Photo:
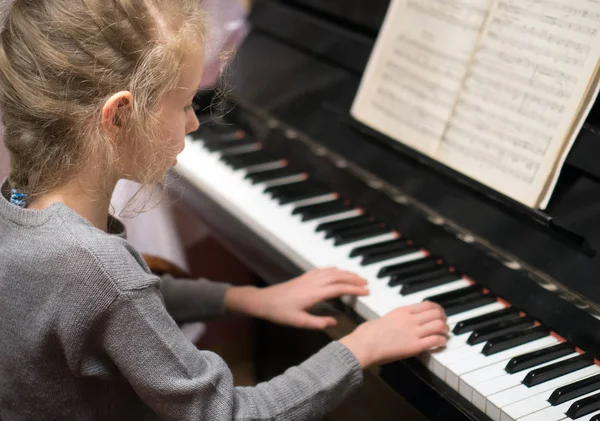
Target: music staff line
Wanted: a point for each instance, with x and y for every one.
(568, 10)
(490, 97)
(550, 20)
(491, 144)
(402, 77)
(426, 49)
(525, 62)
(453, 16)
(544, 34)
(532, 80)
(400, 102)
(423, 63)
(401, 118)
(545, 105)
(532, 48)
(463, 119)
(490, 159)
(473, 108)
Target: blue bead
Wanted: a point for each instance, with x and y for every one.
(19, 199)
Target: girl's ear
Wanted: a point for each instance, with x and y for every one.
(115, 112)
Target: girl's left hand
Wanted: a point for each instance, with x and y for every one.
(288, 303)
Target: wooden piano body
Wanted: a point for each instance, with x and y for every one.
(292, 84)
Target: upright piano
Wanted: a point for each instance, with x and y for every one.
(289, 181)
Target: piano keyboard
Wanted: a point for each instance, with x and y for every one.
(498, 358)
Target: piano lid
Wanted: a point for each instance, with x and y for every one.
(302, 64)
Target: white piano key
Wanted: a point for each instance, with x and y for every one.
(299, 241)
(312, 225)
(497, 402)
(475, 312)
(283, 180)
(482, 391)
(586, 417)
(536, 405)
(266, 166)
(454, 371)
(556, 413)
(430, 359)
(486, 373)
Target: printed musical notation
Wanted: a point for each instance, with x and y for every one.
(526, 79)
(496, 89)
(424, 59)
(464, 14)
(461, 144)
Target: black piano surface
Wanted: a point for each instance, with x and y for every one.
(300, 66)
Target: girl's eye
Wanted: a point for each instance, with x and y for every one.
(188, 107)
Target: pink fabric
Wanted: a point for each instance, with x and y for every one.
(228, 27)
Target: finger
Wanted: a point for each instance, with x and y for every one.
(430, 315)
(423, 306)
(338, 290)
(308, 321)
(435, 327)
(343, 276)
(324, 271)
(432, 342)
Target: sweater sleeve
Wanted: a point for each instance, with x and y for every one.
(180, 382)
(193, 300)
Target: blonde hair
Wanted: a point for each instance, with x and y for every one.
(60, 60)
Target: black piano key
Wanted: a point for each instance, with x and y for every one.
(446, 297)
(486, 319)
(357, 221)
(379, 247)
(320, 210)
(513, 339)
(293, 192)
(584, 406)
(541, 356)
(410, 268)
(341, 230)
(552, 371)
(574, 390)
(595, 418)
(415, 287)
(428, 275)
(268, 175)
(468, 303)
(359, 233)
(280, 189)
(249, 159)
(485, 333)
(390, 254)
(383, 251)
(221, 145)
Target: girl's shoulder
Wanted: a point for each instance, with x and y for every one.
(108, 255)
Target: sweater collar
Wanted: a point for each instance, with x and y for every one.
(35, 217)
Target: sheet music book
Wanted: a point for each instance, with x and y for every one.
(495, 89)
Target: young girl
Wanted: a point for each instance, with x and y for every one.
(94, 91)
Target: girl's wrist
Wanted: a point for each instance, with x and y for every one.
(243, 300)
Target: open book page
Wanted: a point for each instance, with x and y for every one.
(416, 69)
(523, 94)
(584, 110)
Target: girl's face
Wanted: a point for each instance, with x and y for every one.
(176, 114)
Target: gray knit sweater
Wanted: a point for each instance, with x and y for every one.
(88, 333)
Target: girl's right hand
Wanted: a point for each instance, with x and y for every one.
(402, 333)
